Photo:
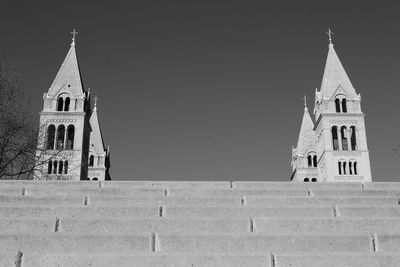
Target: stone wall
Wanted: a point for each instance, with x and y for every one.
(144, 223)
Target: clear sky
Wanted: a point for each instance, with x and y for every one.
(212, 90)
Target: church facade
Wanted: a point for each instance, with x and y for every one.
(334, 148)
(70, 143)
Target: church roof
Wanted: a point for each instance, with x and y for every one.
(306, 135)
(68, 77)
(96, 138)
(335, 76)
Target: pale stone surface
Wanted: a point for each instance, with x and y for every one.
(335, 260)
(26, 226)
(264, 243)
(143, 260)
(328, 226)
(299, 185)
(369, 212)
(246, 211)
(158, 225)
(321, 200)
(45, 201)
(237, 192)
(388, 243)
(361, 193)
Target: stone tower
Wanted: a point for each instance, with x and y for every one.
(99, 156)
(339, 151)
(65, 126)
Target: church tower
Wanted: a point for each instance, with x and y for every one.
(99, 156)
(64, 124)
(340, 140)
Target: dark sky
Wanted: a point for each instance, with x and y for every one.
(211, 90)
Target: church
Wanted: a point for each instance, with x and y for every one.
(334, 148)
(70, 143)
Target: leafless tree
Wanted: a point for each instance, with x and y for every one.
(19, 130)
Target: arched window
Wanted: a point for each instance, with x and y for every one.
(335, 138)
(55, 167)
(306, 180)
(344, 167)
(65, 167)
(70, 136)
(313, 179)
(60, 167)
(95, 179)
(51, 132)
(353, 138)
(91, 161)
(50, 164)
(337, 105)
(309, 161)
(355, 167)
(340, 167)
(66, 105)
(60, 137)
(343, 132)
(350, 167)
(60, 104)
(344, 105)
(315, 161)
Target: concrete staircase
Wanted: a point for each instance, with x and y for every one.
(141, 223)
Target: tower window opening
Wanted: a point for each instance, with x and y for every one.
(344, 105)
(51, 132)
(306, 179)
(353, 138)
(355, 167)
(309, 161)
(66, 105)
(60, 104)
(344, 167)
(315, 160)
(65, 167)
(60, 137)
(60, 167)
(313, 179)
(50, 164)
(337, 105)
(91, 160)
(335, 138)
(95, 179)
(70, 136)
(343, 132)
(340, 167)
(350, 168)
(55, 167)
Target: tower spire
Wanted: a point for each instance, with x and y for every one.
(330, 33)
(74, 33)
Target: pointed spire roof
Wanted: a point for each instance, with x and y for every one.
(68, 77)
(306, 135)
(96, 138)
(335, 76)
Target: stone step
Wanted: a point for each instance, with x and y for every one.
(158, 259)
(264, 243)
(16, 201)
(375, 259)
(296, 185)
(357, 193)
(78, 212)
(246, 211)
(321, 200)
(326, 225)
(368, 212)
(168, 184)
(59, 242)
(160, 225)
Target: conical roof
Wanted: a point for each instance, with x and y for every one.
(96, 138)
(68, 76)
(306, 135)
(335, 76)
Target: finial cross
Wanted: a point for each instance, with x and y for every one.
(305, 100)
(74, 33)
(330, 33)
(95, 100)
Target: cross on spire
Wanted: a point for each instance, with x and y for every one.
(95, 101)
(329, 33)
(305, 100)
(74, 33)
